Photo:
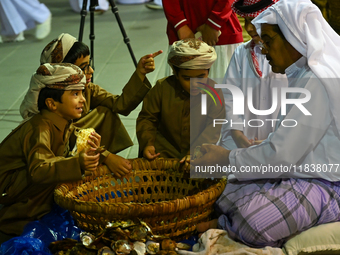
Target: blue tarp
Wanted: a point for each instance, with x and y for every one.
(37, 235)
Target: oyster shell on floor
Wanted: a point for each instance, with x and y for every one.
(122, 247)
(152, 247)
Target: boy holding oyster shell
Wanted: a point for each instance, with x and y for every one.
(170, 123)
(33, 157)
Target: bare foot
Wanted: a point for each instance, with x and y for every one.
(204, 226)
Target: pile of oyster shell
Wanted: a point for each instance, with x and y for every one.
(120, 238)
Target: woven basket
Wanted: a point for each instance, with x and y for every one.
(157, 192)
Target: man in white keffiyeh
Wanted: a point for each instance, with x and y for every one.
(296, 182)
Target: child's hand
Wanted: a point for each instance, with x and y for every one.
(240, 139)
(256, 141)
(186, 161)
(94, 140)
(87, 161)
(150, 152)
(118, 165)
(147, 64)
(185, 32)
(204, 226)
(209, 34)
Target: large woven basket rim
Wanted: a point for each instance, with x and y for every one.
(80, 206)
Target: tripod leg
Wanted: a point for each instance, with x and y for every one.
(83, 13)
(126, 38)
(93, 4)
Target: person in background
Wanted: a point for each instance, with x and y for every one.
(17, 16)
(213, 19)
(155, 5)
(77, 5)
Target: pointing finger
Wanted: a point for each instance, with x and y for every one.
(157, 53)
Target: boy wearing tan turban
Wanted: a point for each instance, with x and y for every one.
(33, 157)
(173, 105)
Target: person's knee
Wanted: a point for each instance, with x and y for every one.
(251, 230)
(255, 235)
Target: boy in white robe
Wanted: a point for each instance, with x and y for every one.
(249, 68)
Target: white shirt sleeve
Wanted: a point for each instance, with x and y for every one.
(289, 147)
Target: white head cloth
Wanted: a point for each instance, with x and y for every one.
(191, 54)
(56, 50)
(304, 27)
(61, 76)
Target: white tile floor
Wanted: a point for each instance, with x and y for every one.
(145, 28)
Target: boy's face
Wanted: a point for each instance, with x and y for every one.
(84, 64)
(72, 104)
(184, 76)
(251, 30)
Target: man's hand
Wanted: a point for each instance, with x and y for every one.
(185, 32)
(209, 34)
(212, 155)
(149, 152)
(147, 64)
(240, 139)
(118, 165)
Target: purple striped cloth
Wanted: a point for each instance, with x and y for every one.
(267, 212)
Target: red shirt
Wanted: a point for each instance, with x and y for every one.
(215, 13)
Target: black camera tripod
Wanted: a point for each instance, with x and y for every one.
(93, 4)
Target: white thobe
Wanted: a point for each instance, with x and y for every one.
(19, 15)
(158, 2)
(313, 144)
(241, 73)
(77, 5)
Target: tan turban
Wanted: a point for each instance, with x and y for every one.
(57, 49)
(63, 76)
(191, 54)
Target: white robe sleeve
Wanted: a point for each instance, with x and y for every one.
(312, 142)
